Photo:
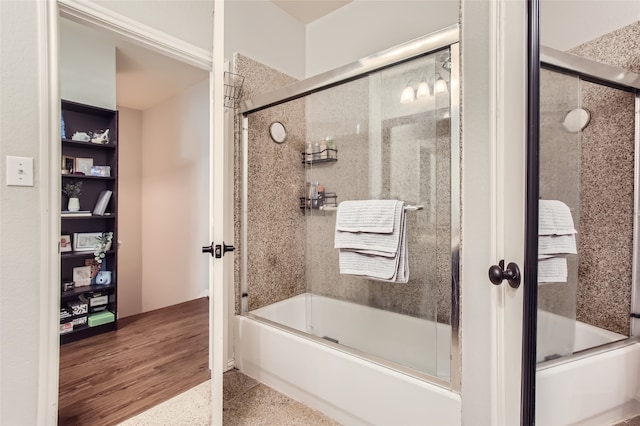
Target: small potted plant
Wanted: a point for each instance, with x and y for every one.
(103, 244)
(73, 191)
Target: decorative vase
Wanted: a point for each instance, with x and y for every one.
(74, 204)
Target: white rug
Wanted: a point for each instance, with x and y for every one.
(190, 408)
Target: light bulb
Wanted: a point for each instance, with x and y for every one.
(408, 95)
(440, 86)
(423, 90)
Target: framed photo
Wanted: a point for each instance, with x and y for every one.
(83, 165)
(68, 164)
(82, 276)
(85, 241)
(103, 171)
(65, 243)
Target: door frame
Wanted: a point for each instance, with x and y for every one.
(100, 18)
(530, 303)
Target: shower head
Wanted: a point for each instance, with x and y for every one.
(445, 58)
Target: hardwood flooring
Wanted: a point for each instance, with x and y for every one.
(151, 358)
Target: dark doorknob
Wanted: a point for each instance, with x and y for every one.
(497, 274)
(208, 249)
(218, 250)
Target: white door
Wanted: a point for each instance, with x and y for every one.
(510, 199)
(494, 53)
(221, 236)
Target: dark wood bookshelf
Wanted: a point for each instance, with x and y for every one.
(86, 118)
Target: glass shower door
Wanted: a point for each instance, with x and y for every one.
(392, 133)
(559, 186)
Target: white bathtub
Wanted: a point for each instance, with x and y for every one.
(596, 390)
(558, 335)
(599, 389)
(346, 387)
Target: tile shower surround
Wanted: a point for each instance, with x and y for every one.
(289, 251)
(607, 179)
(603, 170)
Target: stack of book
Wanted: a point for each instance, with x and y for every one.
(80, 213)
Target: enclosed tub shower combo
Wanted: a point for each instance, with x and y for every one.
(320, 319)
(588, 302)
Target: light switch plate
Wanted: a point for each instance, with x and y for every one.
(19, 171)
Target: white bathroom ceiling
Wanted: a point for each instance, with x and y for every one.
(307, 11)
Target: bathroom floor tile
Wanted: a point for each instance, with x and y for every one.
(262, 405)
(235, 384)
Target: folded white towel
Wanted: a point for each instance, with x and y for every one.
(554, 218)
(552, 270)
(376, 216)
(556, 244)
(370, 242)
(374, 255)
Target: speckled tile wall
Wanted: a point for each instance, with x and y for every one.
(276, 226)
(607, 187)
(592, 172)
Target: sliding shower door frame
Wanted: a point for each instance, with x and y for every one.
(431, 43)
(621, 79)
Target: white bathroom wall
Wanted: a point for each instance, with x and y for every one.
(188, 20)
(21, 212)
(565, 24)
(262, 31)
(364, 27)
(129, 212)
(175, 178)
(87, 66)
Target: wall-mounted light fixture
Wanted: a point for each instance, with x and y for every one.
(408, 95)
(440, 86)
(423, 90)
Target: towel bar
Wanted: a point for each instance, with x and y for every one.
(406, 208)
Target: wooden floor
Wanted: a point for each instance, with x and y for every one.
(151, 358)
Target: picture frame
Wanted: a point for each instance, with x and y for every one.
(68, 164)
(101, 171)
(82, 276)
(85, 241)
(83, 166)
(65, 243)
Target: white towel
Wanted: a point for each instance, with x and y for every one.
(556, 238)
(376, 216)
(556, 244)
(554, 218)
(369, 242)
(375, 255)
(552, 270)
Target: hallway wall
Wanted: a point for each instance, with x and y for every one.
(87, 66)
(130, 212)
(175, 185)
